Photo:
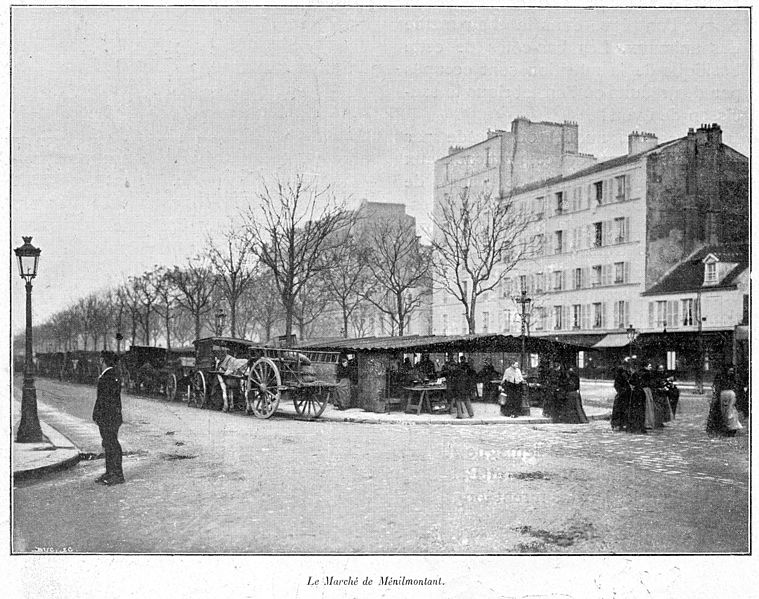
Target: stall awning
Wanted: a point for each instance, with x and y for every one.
(614, 340)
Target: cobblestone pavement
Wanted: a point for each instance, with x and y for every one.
(203, 481)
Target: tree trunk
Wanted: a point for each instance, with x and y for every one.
(233, 319)
(168, 329)
(399, 307)
(197, 325)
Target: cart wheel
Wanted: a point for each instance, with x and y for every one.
(310, 402)
(263, 388)
(171, 387)
(197, 390)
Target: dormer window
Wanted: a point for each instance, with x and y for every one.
(710, 274)
(710, 270)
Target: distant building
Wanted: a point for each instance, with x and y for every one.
(606, 233)
(368, 320)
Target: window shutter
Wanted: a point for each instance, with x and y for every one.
(603, 315)
(617, 315)
(627, 187)
(608, 191)
(627, 229)
(586, 316)
(627, 272)
(676, 313)
(651, 315)
(606, 274)
(606, 232)
(565, 324)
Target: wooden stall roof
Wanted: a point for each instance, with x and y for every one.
(479, 343)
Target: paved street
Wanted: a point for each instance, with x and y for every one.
(203, 481)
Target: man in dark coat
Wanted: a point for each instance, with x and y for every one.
(107, 415)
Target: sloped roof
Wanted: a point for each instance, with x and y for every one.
(689, 274)
(596, 168)
(482, 342)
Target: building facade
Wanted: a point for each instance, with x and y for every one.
(605, 234)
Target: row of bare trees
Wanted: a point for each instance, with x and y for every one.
(299, 261)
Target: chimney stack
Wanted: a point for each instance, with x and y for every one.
(641, 141)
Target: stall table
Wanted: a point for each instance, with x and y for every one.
(430, 398)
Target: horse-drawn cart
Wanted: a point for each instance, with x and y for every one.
(261, 376)
(178, 371)
(142, 369)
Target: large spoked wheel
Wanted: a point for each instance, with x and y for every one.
(264, 385)
(171, 387)
(197, 390)
(310, 402)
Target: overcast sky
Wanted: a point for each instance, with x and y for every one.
(137, 131)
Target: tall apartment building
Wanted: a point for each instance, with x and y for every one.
(603, 233)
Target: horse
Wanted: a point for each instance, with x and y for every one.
(231, 374)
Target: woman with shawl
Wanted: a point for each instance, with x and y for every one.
(512, 387)
(723, 415)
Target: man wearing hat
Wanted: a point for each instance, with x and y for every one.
(107, 415)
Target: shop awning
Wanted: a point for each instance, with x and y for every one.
(614, 340)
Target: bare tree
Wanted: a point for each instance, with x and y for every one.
(362, 319)
(291, 233)
(234, 263)
(260, 308)
(310, 305)
(348, 281)
(401, 268)
(166, 300)
(127, 298)
(477, 240)
(195, 284)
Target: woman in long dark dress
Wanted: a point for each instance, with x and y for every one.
(574, 413)
(554, 393)
(512, 384)
(636, 414)
(620, 410)
(662, 407)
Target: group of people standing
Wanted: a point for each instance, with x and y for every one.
(645, 398)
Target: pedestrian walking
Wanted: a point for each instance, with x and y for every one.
(673, 393)
(621, 408)
(573, 412)
(466, 389)
(723, 415)
(107, 415)
(511, 391)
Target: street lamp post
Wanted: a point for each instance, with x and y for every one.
(631, 333)
(119, 339)
(220, 317)
(524, 302)
(29, 430)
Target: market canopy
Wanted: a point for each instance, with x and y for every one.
(477, 343)
(614, 340)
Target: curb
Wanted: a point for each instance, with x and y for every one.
(455, 422)
(47, 469)
(60, 444)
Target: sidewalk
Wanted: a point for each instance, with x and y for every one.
(484, 413)
(57, 452)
